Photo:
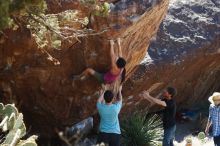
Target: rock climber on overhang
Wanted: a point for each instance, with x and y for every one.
(116, 70)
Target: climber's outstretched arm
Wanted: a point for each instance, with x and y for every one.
(119, 47)
(112, 55)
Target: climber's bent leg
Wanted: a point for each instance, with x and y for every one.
(92, 72)
(87, 72)
(84, 74)
(99, 77)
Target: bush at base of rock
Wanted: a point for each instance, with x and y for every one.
(138, 130)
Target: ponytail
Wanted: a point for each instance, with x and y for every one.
(123, 74)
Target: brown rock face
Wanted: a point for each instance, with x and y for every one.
(44, 92)
(185, 54)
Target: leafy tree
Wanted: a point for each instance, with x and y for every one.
(12, 9)
(48, 29)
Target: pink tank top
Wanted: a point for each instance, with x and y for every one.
(110, 78)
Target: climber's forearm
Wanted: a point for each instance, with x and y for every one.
(120, 50)
(119, 47)
(112, 52)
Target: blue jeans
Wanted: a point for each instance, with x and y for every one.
(217, 140)
(169, 135)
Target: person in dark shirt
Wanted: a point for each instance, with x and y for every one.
(169, 112)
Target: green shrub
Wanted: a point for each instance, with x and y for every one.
(17, 8)
(48, 30)
(138, 131)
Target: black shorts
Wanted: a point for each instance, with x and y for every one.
(112, 139)
(99, 77)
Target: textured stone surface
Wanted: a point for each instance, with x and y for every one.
(44, 91)
(185, 54)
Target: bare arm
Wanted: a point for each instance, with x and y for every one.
(112, 54)
(154, 100)
(119, 47)
(120, 94)
(101, 96)
(209, 123)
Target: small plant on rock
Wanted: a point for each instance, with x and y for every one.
(201, 137)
